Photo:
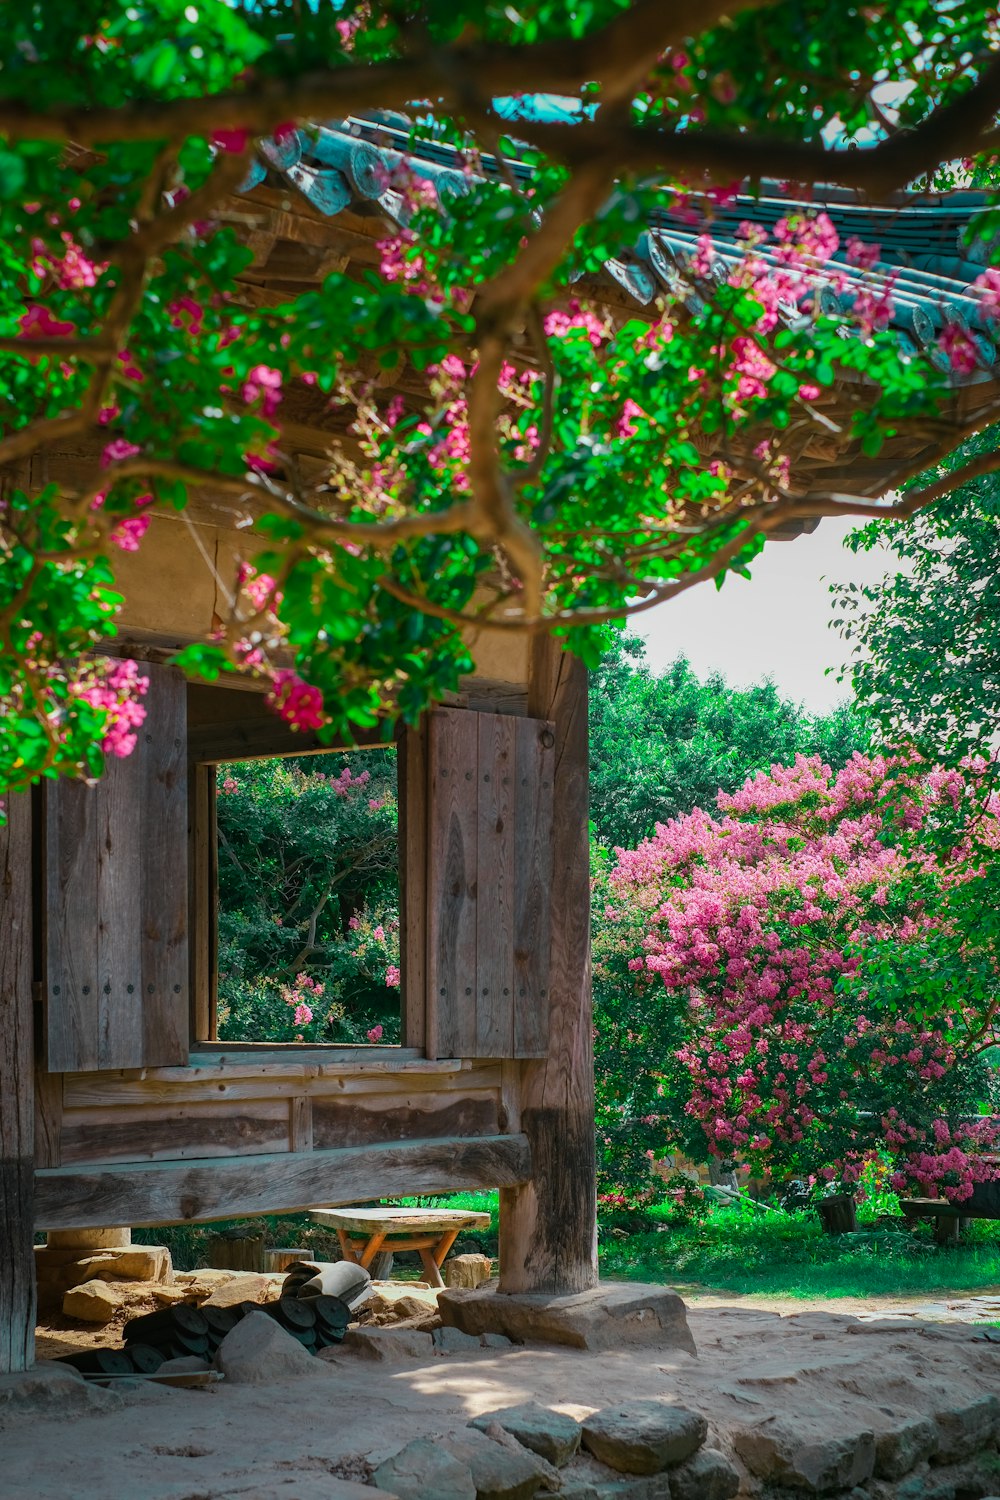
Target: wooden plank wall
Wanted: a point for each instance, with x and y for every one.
(248, 1108)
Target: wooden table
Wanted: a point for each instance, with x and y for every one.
(363, 1232)
(949, 1218)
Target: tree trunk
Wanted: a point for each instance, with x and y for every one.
(548, 1226)
(838, 1214)
(237, 1250)
(17, 1091)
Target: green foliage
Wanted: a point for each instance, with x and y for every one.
(752, 1250)
(663, 743)
(308, 896)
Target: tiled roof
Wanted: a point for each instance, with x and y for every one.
(924, 241)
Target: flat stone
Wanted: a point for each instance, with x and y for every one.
(258, 1351)
(166, 1296)
(245, 1286)
(643, 1437)
(903, 1445)
(408, 1307)
(423, 1469)
(94, 1302)
(963, 1430)
(803, 1453)
(467, 1270)
(495, 1341)
(132, 1263)
(449, 1340)
(50, 1389)
(707, 1476)
(549, 1433)
(387, 1344)
(498, 1472)
(611, 1316)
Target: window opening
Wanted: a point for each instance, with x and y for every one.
(307, 930)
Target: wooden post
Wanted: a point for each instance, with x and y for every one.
(548, 1226)
(17, 1102)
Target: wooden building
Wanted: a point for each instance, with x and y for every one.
(119, 1108)
(117, 1105)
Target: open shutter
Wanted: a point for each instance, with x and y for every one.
(489, 868)
(116, 857)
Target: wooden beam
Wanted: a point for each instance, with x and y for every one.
(548, 1226)
(17, 1103)
(174, 1192)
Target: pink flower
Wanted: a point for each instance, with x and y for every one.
(375, 1035)
(960, 348)
(233, 140)
(303, 1014)
(117, 450)
(129, 532)
(392, 976)
(300, 705)
(39, 323)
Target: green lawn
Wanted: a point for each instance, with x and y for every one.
(743, 1249)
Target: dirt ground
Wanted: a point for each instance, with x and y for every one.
(237, 1442)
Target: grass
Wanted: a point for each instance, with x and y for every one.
(749, 1250)
(742, 1248)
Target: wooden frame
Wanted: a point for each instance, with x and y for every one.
(233, 724)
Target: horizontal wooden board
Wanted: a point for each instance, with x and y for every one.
(174, 1192)
(86, 1091)
(361, 1121)
(152, 1133)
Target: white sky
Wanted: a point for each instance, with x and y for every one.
(774, 625)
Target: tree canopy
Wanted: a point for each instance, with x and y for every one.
(551, 460)
(664, 743)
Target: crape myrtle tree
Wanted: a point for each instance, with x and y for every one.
(741, 1017)
(563, 467)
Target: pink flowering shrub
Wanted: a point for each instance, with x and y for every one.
(757, 1035)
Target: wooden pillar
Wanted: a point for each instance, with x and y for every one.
(17, 1103)
(548, 1227)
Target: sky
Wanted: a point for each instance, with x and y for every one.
(774, 625)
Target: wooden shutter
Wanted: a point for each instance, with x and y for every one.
(116, 857)
(489, 862)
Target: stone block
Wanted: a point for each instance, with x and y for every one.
(495, 1341)
(92, 1303)
(245, 1286)
(644, 1437)
(401, 1308)
(707, 1476)
(807, 1453)
(498, 1472)
(903, 1445)
(467, 1270)
(611, 1316)
(550, 1434)
(448, 1340)
(963, 1430)
(131, 1263)
(385, 1344)
(258, 1351)
(423, 1469)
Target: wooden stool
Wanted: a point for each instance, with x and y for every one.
(363, 1232)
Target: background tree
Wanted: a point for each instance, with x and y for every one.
(663, 743)
(309, 897)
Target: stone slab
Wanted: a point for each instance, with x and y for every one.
(814, 1454)
(548, 1433)
(644, 1437)
(614, 1315)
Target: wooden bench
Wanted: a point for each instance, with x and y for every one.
(364, 1232)
(949, 1218)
